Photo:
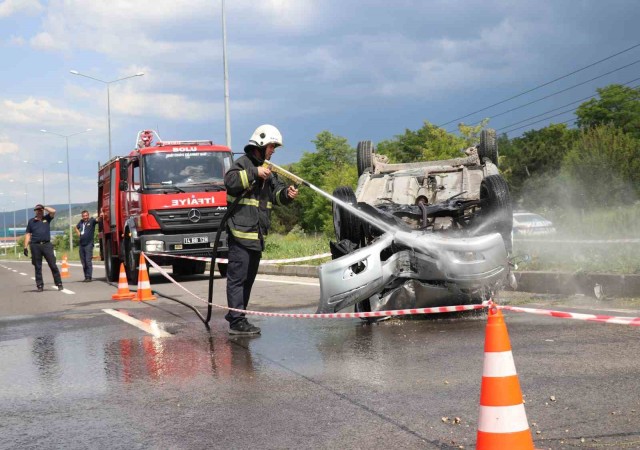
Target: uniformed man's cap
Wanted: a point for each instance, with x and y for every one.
(38, 206)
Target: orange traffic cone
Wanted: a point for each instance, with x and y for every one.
(144, 286)
(502, 423)
(123, 287)
(64, 270)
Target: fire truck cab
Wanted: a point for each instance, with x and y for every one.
(166, 198)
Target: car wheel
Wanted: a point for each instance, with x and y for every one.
(488, 147)
(364, 156)
(496, 214)
(345, 223)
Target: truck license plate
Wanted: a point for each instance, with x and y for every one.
(196, 240)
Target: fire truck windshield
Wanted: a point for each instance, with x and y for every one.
(184, 168)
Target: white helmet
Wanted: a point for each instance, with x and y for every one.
(264, 135)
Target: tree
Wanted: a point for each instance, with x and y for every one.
(428, 143)
(618, 105)
(537, 153)
(331, 152)
(471, 133)
(61, 242)
(331, 165)
(605, 164)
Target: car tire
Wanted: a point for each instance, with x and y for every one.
(488, 147)
(345, 223)
(364, 156)
(496, 214)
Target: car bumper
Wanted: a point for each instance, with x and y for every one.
(428, 270)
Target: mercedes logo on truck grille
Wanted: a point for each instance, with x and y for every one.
(194, 215)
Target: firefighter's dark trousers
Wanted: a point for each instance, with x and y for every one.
(241, 273)
(39, 251)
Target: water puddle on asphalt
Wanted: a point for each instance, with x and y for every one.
(64, 358)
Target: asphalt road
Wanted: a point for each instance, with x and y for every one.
(75, 376)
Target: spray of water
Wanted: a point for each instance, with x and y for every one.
(347, 206)
(404, 237)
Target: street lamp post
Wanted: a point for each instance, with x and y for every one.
(227, 120)
(4, 229)
(26, 205)
(15, 240)
(66, 138)
(108, 83)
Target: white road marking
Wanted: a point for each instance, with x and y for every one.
(269, 280)
(33, 278)
(151, 328)
(22, 273)
(66, 291)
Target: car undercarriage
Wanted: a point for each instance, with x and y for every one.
(417, 235)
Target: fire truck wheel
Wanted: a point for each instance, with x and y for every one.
(222, 268)
(111, 265)
(131, 263)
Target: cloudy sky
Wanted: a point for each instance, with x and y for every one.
(360, 69)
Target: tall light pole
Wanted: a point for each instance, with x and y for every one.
(66, 138)
(227, 119)
(4, 228)
(108, 83)
(26, 206)
(15, 239)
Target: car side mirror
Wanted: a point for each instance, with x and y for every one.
(123, 185)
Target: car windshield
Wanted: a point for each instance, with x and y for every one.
(185, 168)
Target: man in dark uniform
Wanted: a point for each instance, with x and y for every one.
(250, 222)
(86, 230)
(38, 239)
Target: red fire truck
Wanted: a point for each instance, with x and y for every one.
(165, 197)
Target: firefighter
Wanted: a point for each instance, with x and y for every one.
(38, 239)
(250, 222)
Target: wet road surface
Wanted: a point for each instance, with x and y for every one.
(73, 376)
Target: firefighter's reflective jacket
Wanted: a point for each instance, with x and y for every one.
(251, 220)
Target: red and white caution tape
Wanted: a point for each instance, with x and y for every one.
(634, 321)
(361, 315)
(264, 261)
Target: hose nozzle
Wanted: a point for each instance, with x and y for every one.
(285, 173)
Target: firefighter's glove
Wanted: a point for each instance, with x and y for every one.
(26, 252)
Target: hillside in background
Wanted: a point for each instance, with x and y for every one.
(62, 215)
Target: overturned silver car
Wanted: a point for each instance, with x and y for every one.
(423, 234)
